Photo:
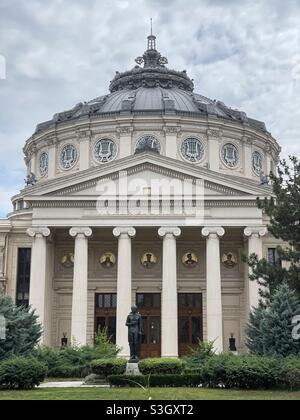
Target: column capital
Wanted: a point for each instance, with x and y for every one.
(256, 231)
(128, 231)
(81, 231)
(165, 231)
(216, 231)
(38, 231)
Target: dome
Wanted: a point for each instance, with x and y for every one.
(152, 89)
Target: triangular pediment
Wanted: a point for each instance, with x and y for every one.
(147, 169)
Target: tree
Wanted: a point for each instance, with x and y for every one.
(269, 330)
(283, 210)
(23, 331)
(254, 340)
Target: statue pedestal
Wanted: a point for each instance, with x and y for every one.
(132, 369)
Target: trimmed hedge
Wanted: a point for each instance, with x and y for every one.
(163, 366)
(21, 373)
(191, 381)
(241, 372)
(290, 373)
(108, 367)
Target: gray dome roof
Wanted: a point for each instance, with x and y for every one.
(152, 89)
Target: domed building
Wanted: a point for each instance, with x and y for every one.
(145, 195)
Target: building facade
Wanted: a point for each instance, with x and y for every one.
(146, 195)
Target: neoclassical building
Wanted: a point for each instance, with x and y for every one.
(145, 195)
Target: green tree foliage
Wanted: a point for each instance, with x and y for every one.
(284, 212)
(269, 329)
(23, 331)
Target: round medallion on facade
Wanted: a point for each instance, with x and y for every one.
(230, 260)
(230, 155)
(257, 163)
(105, 150)
(67, 261)
(190, 260)
(192, 150)
(68, 156)
(108, 260)
(44, 162)
(148, 144)
(148, 260)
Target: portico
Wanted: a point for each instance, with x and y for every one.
(170, 281)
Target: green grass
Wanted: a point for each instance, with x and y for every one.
(139, 394)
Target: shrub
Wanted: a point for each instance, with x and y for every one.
(241, 372)
(21, 373)
(75, 362)
(200, 354)
(290, 373)
(108, 367)
(162, 366)
(155, 381)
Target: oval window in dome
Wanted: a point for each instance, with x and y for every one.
(44, 159)
(257, 163)
(230, 155)
(192, 150)
(105, 150)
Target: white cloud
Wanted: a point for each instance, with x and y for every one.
(62, 52)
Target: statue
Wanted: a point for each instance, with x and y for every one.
(134, 324)
(30, 180)
(264, 179)
(64, 341)
(232, 343)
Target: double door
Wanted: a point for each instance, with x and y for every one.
(190, 320)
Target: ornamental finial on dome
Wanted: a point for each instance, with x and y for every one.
(152, 58)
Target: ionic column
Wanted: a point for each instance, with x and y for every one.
(254, 235)
(213, 286)
(124, 286)
(38, 276)
(80, 285)
(169, 309)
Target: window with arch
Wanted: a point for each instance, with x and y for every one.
(148, 144)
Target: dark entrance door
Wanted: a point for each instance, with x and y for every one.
(149, 305)
(190, 320)
(105, 314)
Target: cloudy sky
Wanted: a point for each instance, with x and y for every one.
(61, 52)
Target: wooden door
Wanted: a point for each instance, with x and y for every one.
(190, 321)
(149, 306)
(105, 314)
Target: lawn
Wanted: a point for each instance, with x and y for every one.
(139, 394)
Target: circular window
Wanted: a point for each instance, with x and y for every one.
(68, 157)
(44, 160)
(105, 150)
(230, 155)
(192, 150)
(257, 163)
(148, 144)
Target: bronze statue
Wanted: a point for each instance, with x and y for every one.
(134, 324)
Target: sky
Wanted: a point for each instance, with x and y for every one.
(58, 53)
